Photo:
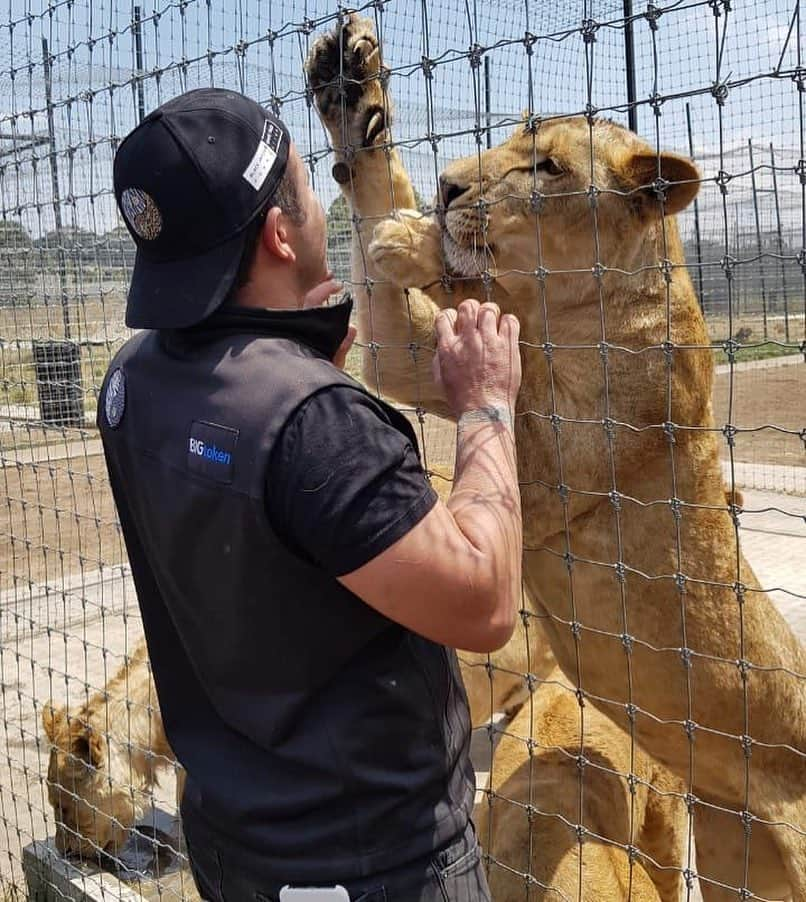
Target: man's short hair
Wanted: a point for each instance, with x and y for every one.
(286, 197)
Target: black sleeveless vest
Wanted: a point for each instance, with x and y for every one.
(320, 738)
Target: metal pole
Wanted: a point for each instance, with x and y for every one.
(780, 243)
(629, 63)
(54, 183)
(487, 101)
(758, 236)
(697, 236)
(138, 54)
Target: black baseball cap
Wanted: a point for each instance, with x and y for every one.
(189, 180)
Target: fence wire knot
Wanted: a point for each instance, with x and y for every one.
(730, 346)
(685, 657)
(656, 101)
(689, 876)
(615, 499)
(532, 123)
(536, 201)
(730, 432)
(669, 431)
(631, 710)
(690, 727)
(722, 178)
(718, 5)
(589, 29)
(677, 508)
(474, 55)
(652, 14)
(621, 571)
(627, 642)
(744, 667)
(427, 65)
(720, 91)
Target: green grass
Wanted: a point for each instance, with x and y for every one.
(757, 352)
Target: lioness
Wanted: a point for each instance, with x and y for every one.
(105, 759)
(630, 548)
(529, 826)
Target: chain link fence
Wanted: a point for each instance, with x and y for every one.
(721, 82)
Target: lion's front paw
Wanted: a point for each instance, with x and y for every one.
(407, 249)
(345, 73)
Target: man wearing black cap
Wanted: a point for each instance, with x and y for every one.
(298, 578)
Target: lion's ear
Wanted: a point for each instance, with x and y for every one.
(52, 721)
(86, 744)
(640, 172)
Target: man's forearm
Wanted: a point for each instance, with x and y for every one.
(485, 501)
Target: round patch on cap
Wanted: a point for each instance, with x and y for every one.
(115, 400)
(142, 214)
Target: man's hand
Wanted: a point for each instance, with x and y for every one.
(321, 292)
(340, 357)
(477, 363)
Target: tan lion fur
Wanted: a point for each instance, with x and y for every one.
(630, 550)
(528, 824)
(105, 758)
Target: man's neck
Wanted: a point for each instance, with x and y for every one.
(271, 289)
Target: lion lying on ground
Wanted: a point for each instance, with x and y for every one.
(105, 759)
(630, 550)
(528, 828)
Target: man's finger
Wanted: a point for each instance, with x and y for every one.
(340, 357)
(445, 324)
(436, 370)
(510, 328)
(320, 293)
(488, 317)
(467, 315)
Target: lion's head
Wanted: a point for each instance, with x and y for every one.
(542, 175)
(92, 811)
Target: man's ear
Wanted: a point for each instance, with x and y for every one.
(640, 171)
(275, 236)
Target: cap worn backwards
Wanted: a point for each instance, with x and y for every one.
(188, 181)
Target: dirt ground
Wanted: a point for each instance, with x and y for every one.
(755, 399)
(58, 515)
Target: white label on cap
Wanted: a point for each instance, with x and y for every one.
(261, 163)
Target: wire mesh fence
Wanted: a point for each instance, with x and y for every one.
(664, 756)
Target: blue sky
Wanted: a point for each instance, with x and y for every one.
(225, 42)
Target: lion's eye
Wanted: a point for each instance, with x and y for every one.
(549, 166)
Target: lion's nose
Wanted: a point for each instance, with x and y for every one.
(450, 191)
